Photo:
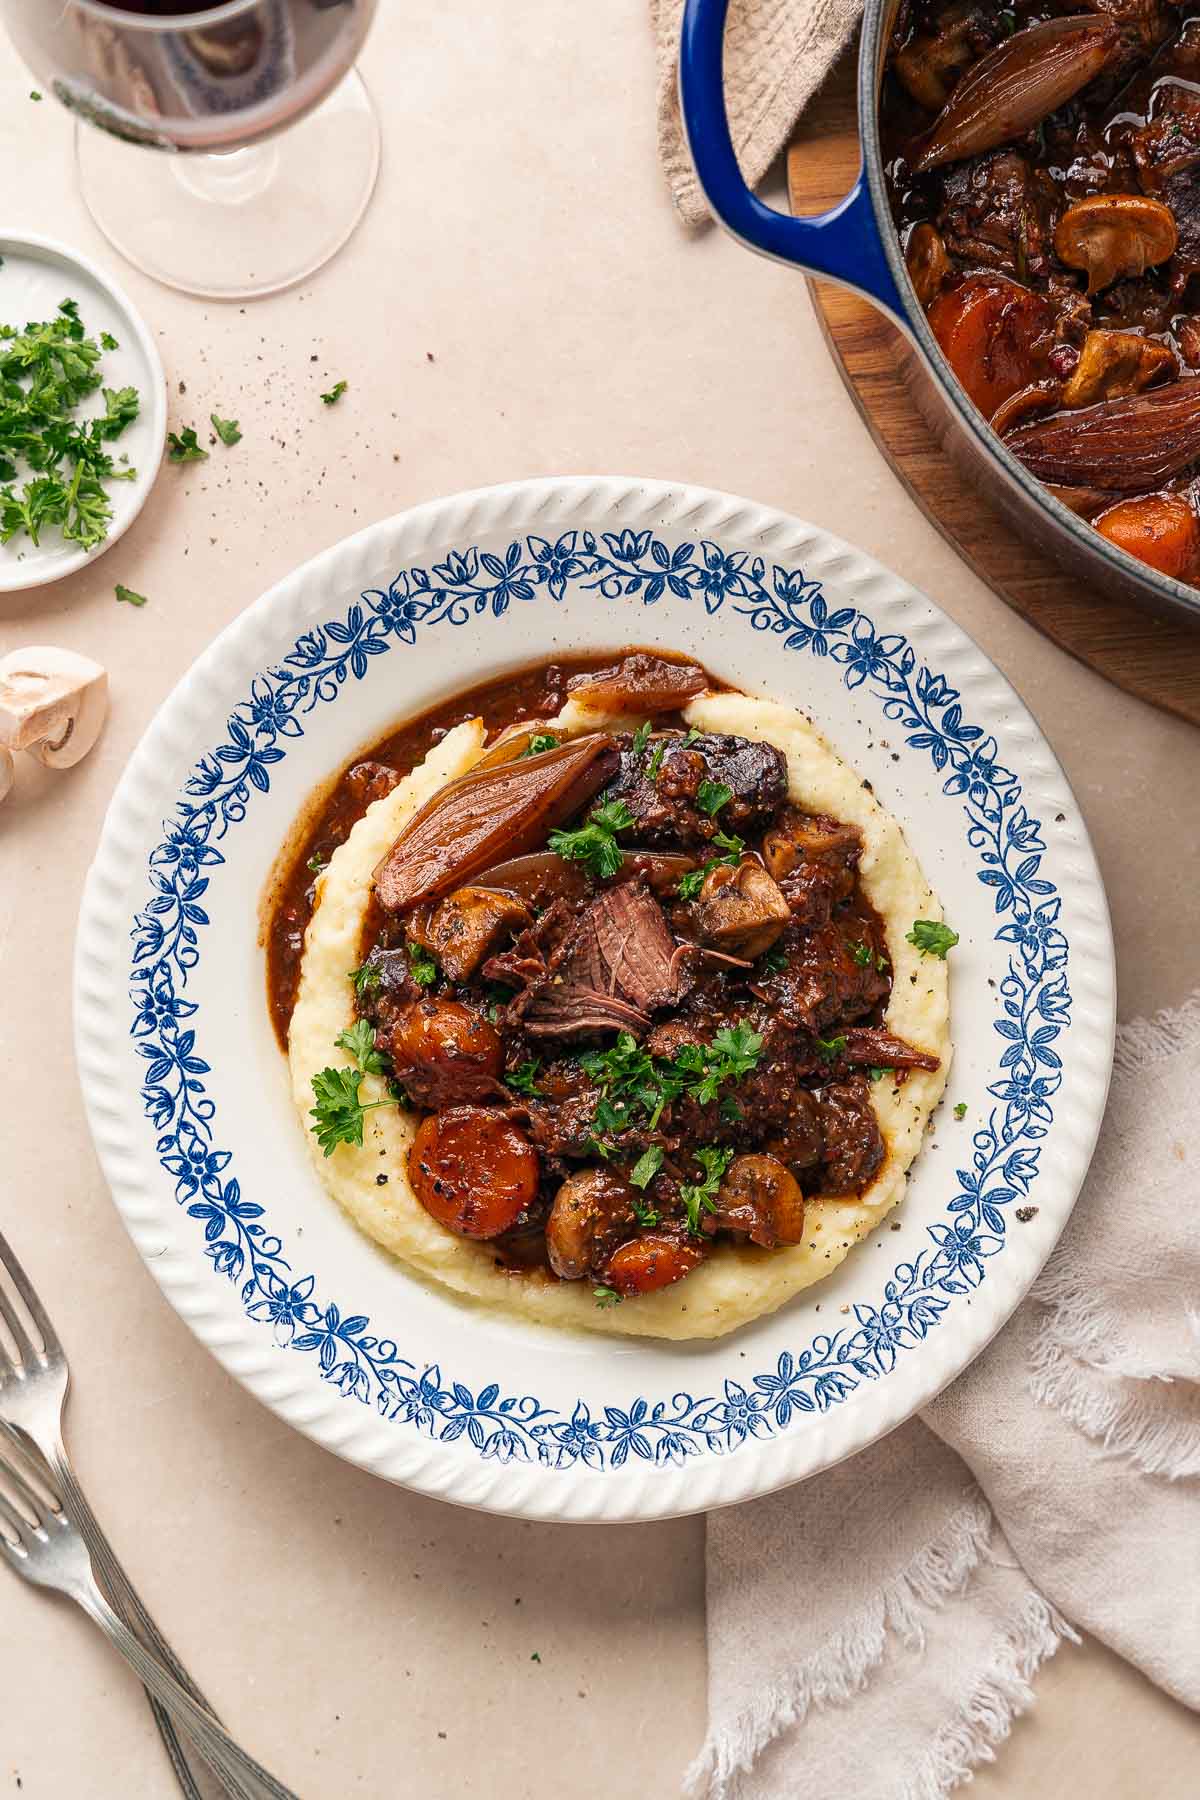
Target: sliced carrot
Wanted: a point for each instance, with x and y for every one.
(987, 329)
(1159, 529)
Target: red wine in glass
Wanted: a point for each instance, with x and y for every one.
(263, 90)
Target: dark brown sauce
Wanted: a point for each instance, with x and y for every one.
(536, 691)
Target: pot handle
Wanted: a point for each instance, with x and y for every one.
(843, 244)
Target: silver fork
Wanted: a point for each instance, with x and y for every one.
(44, 1545)
(33, 1393)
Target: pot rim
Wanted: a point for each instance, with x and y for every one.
(1178, 596)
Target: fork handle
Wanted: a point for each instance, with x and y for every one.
(230, 1761)
(128, 1603)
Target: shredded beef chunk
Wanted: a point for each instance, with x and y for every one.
(853, 1144)
(668, 807)
(618, 967)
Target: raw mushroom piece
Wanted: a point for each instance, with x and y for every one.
(53, 704)
(1111, 236)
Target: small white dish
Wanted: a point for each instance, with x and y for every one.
(189, 1098)
(36, 274)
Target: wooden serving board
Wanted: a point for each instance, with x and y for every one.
(1151, 657)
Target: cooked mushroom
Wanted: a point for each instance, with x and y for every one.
(1115, 235)
(929, 65)
(740, 909)
(461, 930)
(591, 1215)
(1017, 85)
(52, 703)
(761, 1197)
(1114, 363)
(928, 264)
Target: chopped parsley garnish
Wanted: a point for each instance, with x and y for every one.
(498, 997)
(46, 371)
(932, 938)
(711, 796)
(877, 1074)
(656, 760)
(775, 960)
(604, 1296)
(730, 1111)
(335, 393)
(730, 849)
(636, 1087)
(692, 736)
(960, 1111)
(641, 738)
(700, 1196)
(595, 844)
(421, 966)
(524, 1077)
(647, 1166)
(539, 743)
(129, 596)
(183, 446)
(34, 94)
(314, 865)
(831, 1048)
(862, 955)
(881, 964)
(367, 977)
(359, 1040)
(226, 429)
(108, 341)
(644, 1213)
(339, 1112)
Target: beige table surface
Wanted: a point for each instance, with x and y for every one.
(362, 1640)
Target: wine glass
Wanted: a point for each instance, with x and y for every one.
(268, 140)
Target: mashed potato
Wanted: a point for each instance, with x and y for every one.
(735, 1284)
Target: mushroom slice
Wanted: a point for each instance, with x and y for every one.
(1017, 85)
(741, 910)
(53, 703)
(464, 928)
(1116, 363)
(1115, 235)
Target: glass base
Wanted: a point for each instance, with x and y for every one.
(239, 223)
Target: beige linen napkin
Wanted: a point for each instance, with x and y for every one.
(875, 1631)
(777, 53)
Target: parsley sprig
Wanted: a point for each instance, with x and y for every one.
(539, 743)
(595, 844)
(339, 1113)
(932, 937)
(701, 1196)
(46, 371)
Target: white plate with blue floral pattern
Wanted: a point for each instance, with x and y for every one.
(189, 1099)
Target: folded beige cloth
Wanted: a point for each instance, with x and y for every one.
(777, 53)
(874, 1631)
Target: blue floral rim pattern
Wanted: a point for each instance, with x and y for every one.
(368, 1369)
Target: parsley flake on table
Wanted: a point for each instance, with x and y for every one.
(698, 1196)
(65, 454)
(595, 844)
(127, 594)
(339, 1112)
(335, 393)
(932, 937)
(34, 94)
(960, 1111)
(108, 341)
(359, 1040)
(183, 447)
(227, 430)
(539, 743)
